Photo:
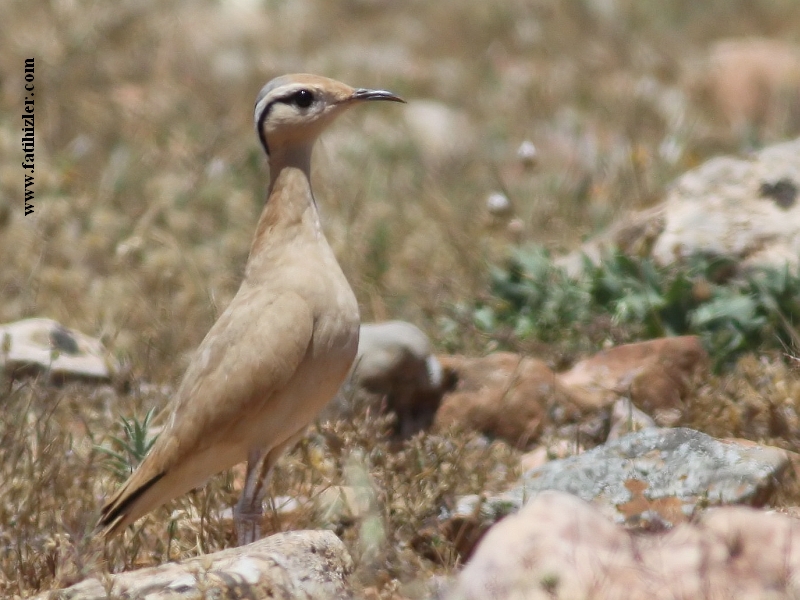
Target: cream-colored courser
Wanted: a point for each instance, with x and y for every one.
(285, 343)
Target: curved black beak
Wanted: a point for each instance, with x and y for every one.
(365, 94)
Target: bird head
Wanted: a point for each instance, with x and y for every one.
(292, 110)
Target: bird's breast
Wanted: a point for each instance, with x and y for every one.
(336, 327)
(319, 280)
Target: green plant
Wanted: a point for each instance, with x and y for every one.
(129, 450)
(537, 298)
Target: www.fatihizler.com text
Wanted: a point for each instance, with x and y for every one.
(27, 137)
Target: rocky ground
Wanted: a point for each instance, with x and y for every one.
(615, 499)
(575, 251)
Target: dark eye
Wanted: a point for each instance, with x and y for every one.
(303, 98)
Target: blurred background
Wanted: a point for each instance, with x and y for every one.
(563, 114)
(149, 178)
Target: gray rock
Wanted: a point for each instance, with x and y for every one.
(395, 367)
(626, 418)
(34, 346)
(653, 478)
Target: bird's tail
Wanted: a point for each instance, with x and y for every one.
(128, 504)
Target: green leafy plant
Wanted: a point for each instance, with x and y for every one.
(536, 298)
(129, 449)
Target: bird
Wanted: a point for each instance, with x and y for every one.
(285, 343)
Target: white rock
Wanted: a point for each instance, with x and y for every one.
(298, 564)
(744, 208)
(44, 345)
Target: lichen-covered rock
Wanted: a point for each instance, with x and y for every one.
(651, 479)
(747, 209)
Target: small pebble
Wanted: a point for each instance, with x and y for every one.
(498, 204)
(527, 153)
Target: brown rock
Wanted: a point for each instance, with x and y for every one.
(503, 395)
(655, 375)
(560, 547)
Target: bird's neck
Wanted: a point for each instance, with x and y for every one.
(290, 212)
(296, 156)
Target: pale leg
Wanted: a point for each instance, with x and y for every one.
(249, 511)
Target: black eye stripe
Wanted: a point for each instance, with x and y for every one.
(261, 118)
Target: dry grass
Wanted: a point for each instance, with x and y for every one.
(53, 479)
(149, 181)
